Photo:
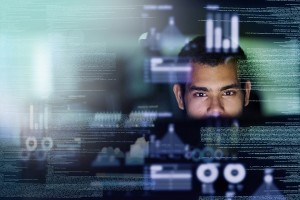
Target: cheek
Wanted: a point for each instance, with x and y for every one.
(195, 107)
(233, 106)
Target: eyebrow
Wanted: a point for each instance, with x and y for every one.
(235, 85)
(193, 87)
(205, 89)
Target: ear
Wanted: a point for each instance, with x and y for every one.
(178, 96)
(247, 92)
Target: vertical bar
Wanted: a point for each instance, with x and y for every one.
(41, 121)
(209, 32)
(218, 38)
(31, 117)
(226, 44)
(234, 33)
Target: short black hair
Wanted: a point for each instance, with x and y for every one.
(195, 51)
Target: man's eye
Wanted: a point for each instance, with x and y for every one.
(229, 93)
(200, 94)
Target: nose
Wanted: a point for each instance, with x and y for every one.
(215, 108)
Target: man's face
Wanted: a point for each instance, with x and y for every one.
(213, 91)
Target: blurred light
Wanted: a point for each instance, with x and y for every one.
(31, 143)
(234, 33)
(156, 168)
(218, 38)
(234, 173)
(212, 7)
(158, 66)
(43, 73)
(143, 36)
(209, 32)
(226, 44)
(207, 173)
(47, 143)
(268, 179)
(31, 117)
(158, 7)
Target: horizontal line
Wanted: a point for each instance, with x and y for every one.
(170, 69)
(171, 176)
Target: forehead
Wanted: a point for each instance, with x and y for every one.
(215, 75)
